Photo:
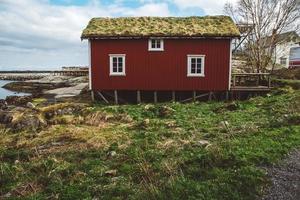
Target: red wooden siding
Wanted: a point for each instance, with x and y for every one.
(161, 70)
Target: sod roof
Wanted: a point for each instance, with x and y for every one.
(208, 26)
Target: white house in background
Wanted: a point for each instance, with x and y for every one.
(285, 42)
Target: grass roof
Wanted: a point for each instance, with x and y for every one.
(208, 26)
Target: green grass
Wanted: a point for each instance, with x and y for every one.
(158, 148)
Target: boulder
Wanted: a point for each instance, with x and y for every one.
(30, 122)
(30, 105)
(166, 111)
(3, 104)
(6, 117)
(18, 100)
(111, 172)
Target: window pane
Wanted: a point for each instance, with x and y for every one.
(115, 69)
(199, 60)
(193, 68)
(193, 60)
(198, 70)
(115, 64)
(158, 45)
(120, 69)
(115, 59)
(153, 44)
(120, 64)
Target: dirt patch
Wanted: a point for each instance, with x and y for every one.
(285, 179)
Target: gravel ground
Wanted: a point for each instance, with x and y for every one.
(285, 179)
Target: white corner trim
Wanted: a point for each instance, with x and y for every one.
(90, 64)
(111, 73)
(230, 65)
(189, 57)
(155, 49)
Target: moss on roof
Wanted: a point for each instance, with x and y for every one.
(208, 26)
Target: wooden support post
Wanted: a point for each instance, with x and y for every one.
(92, 96)
(194, 95)
(155, 96)
(209, 96)
(269, 81)
(104, 99)
(173, 96)
(233, 79)
(138, 96)
(116, 97)
(227, 95)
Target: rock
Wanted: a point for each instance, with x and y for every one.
(3, 104)
(149, 107)
(203, 143)
(146, 122)
(112, 154)
(224, 124)
(30, 105)
(30, 122)
(6, 117)
(165, 111)
(232, 106)
(126, 118)
(18, 100)
(111, 172)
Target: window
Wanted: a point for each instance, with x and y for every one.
(283, 61)
(156, 45)
(195, 65)
(117, 64)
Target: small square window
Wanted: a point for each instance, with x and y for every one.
(156, 45)
(117, 64)
(195, 65)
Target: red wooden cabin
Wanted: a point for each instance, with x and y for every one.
(160, 54)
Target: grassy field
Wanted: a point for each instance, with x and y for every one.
(211, 150)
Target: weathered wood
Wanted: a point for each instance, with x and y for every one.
(194, 95)
(116, 97)
(155, 96)
(173, 96)
(92, 95)
(101, 95)
(138, 97)
(210, 96)
(197, 97)
(254, 80)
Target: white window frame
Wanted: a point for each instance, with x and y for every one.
(189, 65)
(111, 72)
(155, 49)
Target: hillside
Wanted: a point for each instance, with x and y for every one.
(199, 150)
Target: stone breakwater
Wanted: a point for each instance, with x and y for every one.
(22, 76)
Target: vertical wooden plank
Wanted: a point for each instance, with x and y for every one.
(173, 96)
(155, 96)
(138, 96)
(227, 95)
(116, 97)
(92, 95)
(210, 96)
(194, 95)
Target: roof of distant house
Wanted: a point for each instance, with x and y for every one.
(208, 26)
(290, 36)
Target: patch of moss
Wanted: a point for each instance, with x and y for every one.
(208, 26)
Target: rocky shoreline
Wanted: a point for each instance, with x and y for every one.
(22, 77)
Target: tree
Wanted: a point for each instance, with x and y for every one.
(269, 18)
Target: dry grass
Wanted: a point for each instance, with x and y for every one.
(65, 138)
(211, 26)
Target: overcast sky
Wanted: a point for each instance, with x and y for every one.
(45, 34)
